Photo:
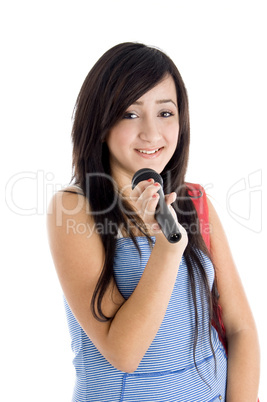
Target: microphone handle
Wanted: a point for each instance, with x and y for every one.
(166, 220)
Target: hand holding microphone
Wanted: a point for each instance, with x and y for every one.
(163, 215)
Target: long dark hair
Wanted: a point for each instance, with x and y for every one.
(120, 77)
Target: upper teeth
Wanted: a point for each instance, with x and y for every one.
(148, 152)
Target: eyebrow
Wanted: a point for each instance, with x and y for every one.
(158, 102)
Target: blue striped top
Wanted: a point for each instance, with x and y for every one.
(167, 372)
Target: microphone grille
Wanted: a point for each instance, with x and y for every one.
(145, 174)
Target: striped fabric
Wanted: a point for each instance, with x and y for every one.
(167, 372)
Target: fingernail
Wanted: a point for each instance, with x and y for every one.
(155, 226)
(150, 180)
(155, 195)
(156, 184)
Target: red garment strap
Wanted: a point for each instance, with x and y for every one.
(199, 198)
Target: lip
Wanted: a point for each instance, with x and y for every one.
(149, 156)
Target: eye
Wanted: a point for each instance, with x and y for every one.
(166, 114)
(130, 115)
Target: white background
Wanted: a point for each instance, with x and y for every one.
(47, 49)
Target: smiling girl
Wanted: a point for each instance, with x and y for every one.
(145, 314)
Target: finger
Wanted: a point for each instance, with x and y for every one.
(150, 190)
(170, 198)
(140, 187)
(147, 194)
(155, 228)
(149, 198)
(150, 204)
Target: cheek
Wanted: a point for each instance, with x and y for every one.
(174, 135)
(120, 139)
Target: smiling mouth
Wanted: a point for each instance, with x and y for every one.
(143, 151)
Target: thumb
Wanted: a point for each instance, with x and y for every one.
(170, 198)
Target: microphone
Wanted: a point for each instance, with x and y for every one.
(163, 215)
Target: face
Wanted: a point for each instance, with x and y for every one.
(147, 135)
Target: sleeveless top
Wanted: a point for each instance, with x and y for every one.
(167, 372)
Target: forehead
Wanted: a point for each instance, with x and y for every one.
(164, 91)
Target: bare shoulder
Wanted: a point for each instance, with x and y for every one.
(217, 232)
(219, 246)
(71, 232)
(67, 202)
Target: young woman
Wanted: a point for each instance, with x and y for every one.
(145, 314)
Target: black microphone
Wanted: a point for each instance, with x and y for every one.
(163, 215)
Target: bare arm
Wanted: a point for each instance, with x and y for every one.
(241, 333)
(79, 259)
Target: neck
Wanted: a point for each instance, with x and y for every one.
(123, 182)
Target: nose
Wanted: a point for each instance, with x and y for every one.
(149, 130)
